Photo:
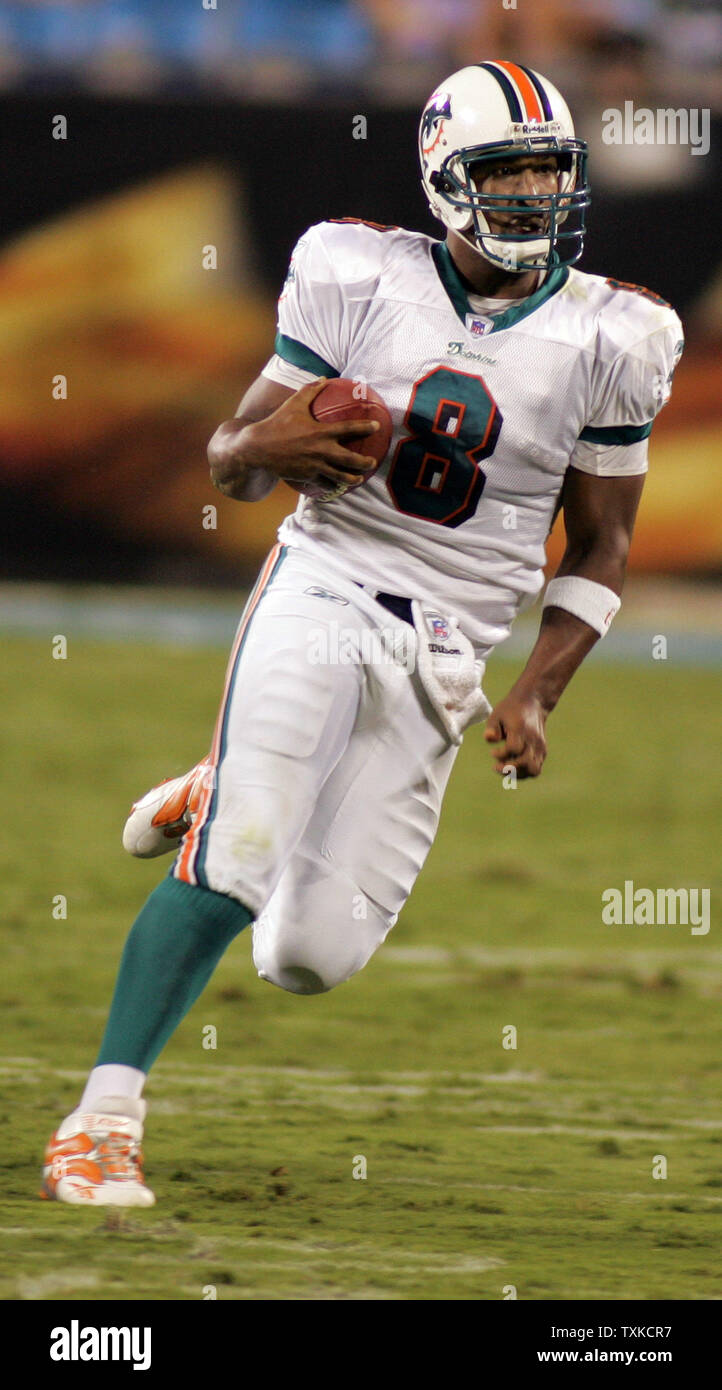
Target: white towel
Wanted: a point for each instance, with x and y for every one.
(448, 670)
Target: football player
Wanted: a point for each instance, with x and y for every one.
(517, 385)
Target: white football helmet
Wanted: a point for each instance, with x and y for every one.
(486, 112)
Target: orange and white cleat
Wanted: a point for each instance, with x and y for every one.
(158, 822)
(95, 1160)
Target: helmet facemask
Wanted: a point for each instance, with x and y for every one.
(463, 208)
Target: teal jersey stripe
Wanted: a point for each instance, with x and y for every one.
(300, 356)
(203, 846)
(454, 286)
(616, 434)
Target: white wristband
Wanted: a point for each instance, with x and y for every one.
(593, 603)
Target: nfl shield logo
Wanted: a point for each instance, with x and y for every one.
(439, 628)
(478, 326)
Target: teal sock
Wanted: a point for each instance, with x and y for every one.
(174, 946)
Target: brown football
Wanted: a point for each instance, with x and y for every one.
(343, 399)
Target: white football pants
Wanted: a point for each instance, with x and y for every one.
(329, 772)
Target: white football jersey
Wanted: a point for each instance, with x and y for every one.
(488, 412)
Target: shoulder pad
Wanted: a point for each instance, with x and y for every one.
(628, 314)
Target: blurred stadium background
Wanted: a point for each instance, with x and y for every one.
(233, 127)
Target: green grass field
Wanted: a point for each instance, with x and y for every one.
(486, 1167)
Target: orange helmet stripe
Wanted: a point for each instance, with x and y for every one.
(525, 88)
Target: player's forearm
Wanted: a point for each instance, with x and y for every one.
(559, 651)
(564, 640)
(236, 468)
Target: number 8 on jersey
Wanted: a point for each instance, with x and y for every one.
(454, 423)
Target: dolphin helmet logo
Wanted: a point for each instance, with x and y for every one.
(432, 122)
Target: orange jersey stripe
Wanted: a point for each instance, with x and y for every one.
(526, 89)
(185, 868)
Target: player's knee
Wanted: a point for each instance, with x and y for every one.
(297, 979)
(318, 950)
(301, 970)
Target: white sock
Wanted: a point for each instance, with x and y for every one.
(111, 1080)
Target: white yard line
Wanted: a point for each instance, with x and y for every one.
(610, 958)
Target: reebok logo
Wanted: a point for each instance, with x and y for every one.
(317, 592)
(76, 1343)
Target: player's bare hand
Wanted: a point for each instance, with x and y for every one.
(516, 725)
(293, 445)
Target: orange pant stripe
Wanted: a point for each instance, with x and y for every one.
(184, 868)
